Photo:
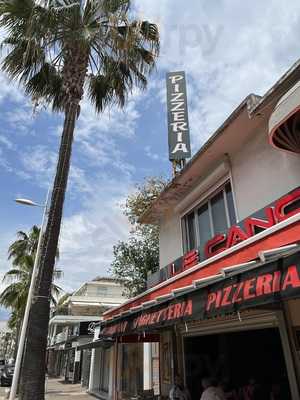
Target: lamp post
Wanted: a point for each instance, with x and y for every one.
(15, 381)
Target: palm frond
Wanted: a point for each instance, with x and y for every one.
(99, 91)
(47, 85)
(121, 53)
(113, 6)
(15, 275)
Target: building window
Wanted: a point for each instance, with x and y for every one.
(102, 291)
(104, 370)
(211, 217)
(191, 232)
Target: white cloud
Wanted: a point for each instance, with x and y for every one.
(39, 163)
(10, 91)
(228, 49)
(149, 153)
(20, 119)
(8, 144)
(4, 162)
(97, 135)
(114, 120)
(88, 236)
(95, 145)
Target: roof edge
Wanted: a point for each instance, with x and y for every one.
(268, 96)
(250, 99)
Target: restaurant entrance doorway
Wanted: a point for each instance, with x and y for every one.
(240, 362)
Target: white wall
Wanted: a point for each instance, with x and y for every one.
(170, 241)
(105, 291)
(262, 174)
(95, 370)
(147, 366)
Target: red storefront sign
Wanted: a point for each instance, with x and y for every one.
(270, 283)
(261, 220)
(282, 209)
(253, 288)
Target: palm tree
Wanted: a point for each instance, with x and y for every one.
(14, 296)
(22, 252)
(25, 244)
(58, 49)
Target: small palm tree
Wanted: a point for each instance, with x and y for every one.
(25, 244)
(59, 49)
(14, 296)
(22, 253)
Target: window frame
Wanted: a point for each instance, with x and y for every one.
(206, 198)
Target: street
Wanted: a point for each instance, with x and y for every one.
(57, 390)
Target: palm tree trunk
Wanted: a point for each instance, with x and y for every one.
(34, 365)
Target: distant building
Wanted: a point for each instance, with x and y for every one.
(96, 297)
(72, 325)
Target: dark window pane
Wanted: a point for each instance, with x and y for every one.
(230, 204)
(204, 225)
(191, 231)
(184, 234)
(218, 213)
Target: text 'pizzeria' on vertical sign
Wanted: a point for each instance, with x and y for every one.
(178, 122)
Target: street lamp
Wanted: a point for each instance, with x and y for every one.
(28, 202)
(15, 381)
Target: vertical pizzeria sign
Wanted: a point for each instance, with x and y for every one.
(178, 123)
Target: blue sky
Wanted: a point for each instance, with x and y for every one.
(228, 50)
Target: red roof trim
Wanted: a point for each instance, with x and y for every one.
(286, 232)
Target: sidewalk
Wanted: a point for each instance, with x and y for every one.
(58, 390)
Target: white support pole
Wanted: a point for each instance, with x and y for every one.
(15, 381)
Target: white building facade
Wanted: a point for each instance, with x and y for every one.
(72, 326)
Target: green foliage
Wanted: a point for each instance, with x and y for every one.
(132, 262)
(25, 244)
(137, 257)
(22, 254)
(138, 202)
